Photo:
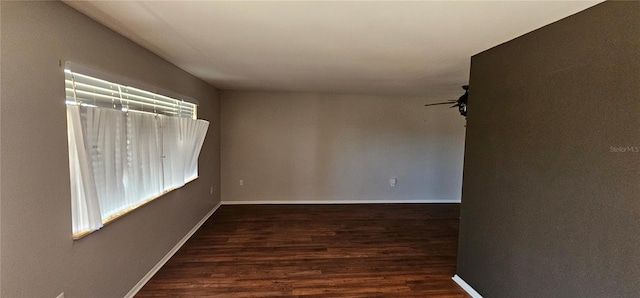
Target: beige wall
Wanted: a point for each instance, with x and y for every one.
(38, 256)
(323, 147)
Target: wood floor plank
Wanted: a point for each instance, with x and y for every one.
(368, 250)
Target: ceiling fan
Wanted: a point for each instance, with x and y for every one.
(461, 103)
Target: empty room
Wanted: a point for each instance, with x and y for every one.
(319, 149)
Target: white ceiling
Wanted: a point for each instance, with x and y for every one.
(394, 48)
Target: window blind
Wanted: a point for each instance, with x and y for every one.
(93, 92)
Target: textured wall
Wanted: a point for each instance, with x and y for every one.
(551, 199)
(38, 256)
(327, 147)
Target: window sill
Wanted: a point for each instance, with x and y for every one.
(114, 217)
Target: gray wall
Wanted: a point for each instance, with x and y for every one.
(38, 256)
(325, 147)
(551, 206)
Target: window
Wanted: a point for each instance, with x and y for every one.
(127, 147)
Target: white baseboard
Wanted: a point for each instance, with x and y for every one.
(465, 286)
(170, 254)
(318, 202)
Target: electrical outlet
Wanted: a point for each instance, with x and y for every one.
(393, 182)
(241, 182)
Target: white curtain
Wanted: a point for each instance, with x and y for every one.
(183, 139)
(119, 160)
(143, 178)
(173, 164)
(106, 141)
(84, 205)
(194, 132)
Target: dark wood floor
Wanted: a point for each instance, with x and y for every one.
(378, 250)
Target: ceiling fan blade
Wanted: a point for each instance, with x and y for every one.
(455, 105)
(435, 104)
